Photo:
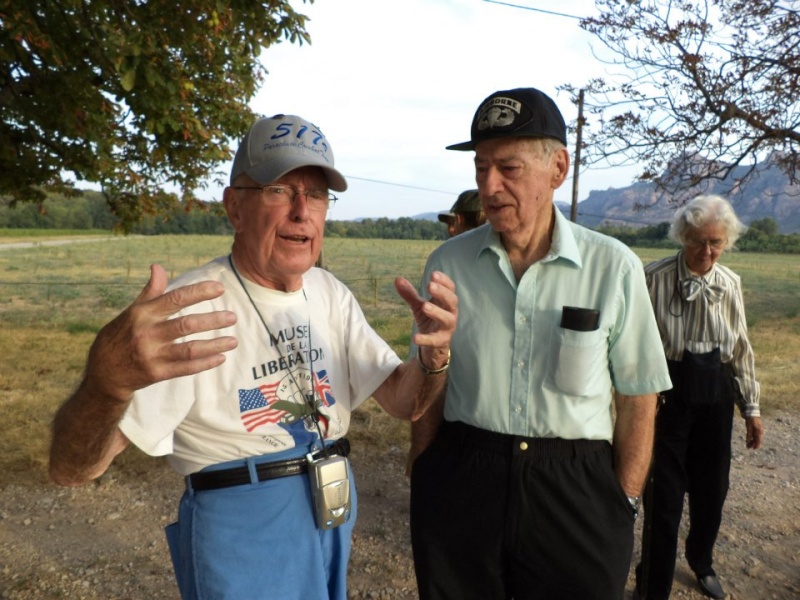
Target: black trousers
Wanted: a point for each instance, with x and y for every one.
(499, 517)
(692, 454)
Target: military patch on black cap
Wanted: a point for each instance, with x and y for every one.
(502, 113)
(522, 112)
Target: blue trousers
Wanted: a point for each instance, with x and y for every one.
(259, 541)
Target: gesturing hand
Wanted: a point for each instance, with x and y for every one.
(435, 318)
(138, 347)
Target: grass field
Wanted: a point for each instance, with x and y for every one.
(54, 298)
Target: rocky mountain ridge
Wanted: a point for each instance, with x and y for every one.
(766, 193)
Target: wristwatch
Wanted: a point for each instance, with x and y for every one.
(634, 500)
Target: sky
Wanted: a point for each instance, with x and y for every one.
(391, 83)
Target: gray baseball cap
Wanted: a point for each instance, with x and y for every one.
(282, 143)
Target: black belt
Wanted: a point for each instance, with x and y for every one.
(215, 480)
(459, 433)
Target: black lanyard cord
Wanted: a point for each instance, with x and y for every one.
(310, 397)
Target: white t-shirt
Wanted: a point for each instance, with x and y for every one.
(256, 402)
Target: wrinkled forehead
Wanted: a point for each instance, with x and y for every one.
(508, 149)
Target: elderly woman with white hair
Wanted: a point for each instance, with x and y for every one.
(700, 313)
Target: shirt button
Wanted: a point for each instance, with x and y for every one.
(523, 446)
(520, 363)
(518, 409)
(522, 319)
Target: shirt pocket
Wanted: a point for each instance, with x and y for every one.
(579, 362)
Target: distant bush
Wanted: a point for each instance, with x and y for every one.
(89, 211)
(761, 236)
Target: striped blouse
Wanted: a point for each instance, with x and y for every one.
(714, 317)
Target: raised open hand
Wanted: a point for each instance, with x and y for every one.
(138, 347)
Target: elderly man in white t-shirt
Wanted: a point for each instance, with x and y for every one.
(244, 375)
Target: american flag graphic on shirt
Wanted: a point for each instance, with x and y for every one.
(257, 405)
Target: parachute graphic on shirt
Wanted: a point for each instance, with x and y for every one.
(282, 403)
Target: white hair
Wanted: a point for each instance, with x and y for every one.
(544, 148)
(704, 210)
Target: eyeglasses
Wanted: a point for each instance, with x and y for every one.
(284, 195)
(716, 244)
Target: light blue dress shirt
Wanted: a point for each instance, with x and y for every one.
(514, 369)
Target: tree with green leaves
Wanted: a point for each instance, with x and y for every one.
(695, 89)
(767, 225)
(135, 96)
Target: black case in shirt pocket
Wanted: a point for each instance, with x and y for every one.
(580, 319)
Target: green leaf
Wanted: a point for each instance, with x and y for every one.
(127, 82)
(128, 79)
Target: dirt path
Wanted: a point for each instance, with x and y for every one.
(104, 540)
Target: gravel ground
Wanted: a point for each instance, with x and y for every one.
(104, 540)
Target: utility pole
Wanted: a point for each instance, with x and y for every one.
(573, 213)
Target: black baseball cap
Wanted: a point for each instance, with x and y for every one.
(522, 112)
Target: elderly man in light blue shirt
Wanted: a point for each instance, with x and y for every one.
(525, 481)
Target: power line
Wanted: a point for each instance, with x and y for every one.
(541, 10)
(412, 187)
(424, 189)
(580, 212)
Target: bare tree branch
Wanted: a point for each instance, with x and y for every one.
(700, 88)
